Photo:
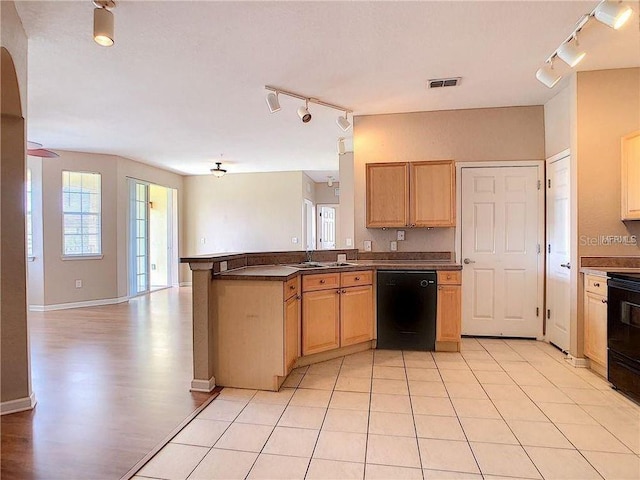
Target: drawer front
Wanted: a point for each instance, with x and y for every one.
(449, 277)
(320, 281)
(291, 288)
(354, 279)
(596, 284)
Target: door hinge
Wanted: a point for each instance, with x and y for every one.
(548, 313)
(538, 249)
(538, 184)
(549, 183)
(537, 311)
(549, 249)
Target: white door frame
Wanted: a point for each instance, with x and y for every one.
(540, 164)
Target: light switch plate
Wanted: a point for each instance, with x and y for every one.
(294, 239)
(349, 242)
(400, 235)
(367, 245)
(223, 266)
(394, 246)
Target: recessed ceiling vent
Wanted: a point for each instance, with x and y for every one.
(444, 82)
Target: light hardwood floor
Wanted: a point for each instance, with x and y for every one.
(111, 383)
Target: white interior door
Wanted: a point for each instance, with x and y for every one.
(326, 227)
(138, 237)
(500, 233)
(558, 252)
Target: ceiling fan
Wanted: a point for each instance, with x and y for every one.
(35, 150)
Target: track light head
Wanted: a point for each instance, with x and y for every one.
(103, 22)
(570, 54)
(343, 122)
(273, 102)
(548, 75)
(341, 147)
(613, 14)
(303, 113)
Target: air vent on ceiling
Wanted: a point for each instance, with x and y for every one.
(444, 82)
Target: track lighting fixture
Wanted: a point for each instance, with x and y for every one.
(343, 122)
(548, 75)
(613, 14)
(273, 102)
(341, 147)
(103, 22)
(218, 172)
(569, 52)
(303, 112)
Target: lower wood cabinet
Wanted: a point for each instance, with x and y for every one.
(595, 322)
(449, 310)
(338, 316)
(291, 332)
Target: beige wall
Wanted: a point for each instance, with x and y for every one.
(608, 108)
(244, 212)
(490, 134)
(105, 278)
(346, 219)
(15, 375)
(327, 194)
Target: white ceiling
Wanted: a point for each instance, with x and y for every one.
(185, 80)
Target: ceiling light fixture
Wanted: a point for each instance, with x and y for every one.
(548, 75)
(329, 181)
(35, 149)
(303, 112)
(103, 22)
(613, 14)
(218, 172)
(273, 102)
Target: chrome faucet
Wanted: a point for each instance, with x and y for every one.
(309, 256)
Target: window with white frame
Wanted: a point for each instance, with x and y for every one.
(29, 217)
(81, 214)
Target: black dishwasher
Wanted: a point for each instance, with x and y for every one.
(406, 309)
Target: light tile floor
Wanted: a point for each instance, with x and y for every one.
(498, 409)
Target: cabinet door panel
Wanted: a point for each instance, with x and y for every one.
(595, 328)
(387, 194)
(320, 321)
(356, 315)
(291, 333)
(432, 194)
(631, 177)
(449, 313)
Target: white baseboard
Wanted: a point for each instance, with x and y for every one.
(577, 362)
(88, 303)
(205, 386)
(185, 284)
(18, 405)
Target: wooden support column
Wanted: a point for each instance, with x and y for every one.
(203, 327)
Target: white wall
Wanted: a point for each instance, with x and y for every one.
(557, 123)
(244, 212)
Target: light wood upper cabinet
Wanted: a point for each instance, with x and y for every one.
(419, 194)
(595, 321)
(320, 321)
(387, 194)
(432, 194)
(449, 310)
(356, 315)
(631, 176)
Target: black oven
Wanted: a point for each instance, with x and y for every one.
(623, 332)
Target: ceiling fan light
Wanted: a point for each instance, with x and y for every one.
(548, 76)
(218, 172)
(273, 103)
(343, 122)
(303, 113)
(103, 27)
(570, 54)
(42, 153)
(613, 14)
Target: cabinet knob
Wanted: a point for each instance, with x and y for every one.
(604, 300)
(322, 281)
(338, 292)
(292, 287)
(357, 278)
(596, 284)
(448, 276)
(344, 291)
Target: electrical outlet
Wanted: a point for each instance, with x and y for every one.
(394, 246)
(203, 240)
(400, 235)
(367, 245)
(223, 266)
(349, 242)
(342, 258)
(294, 239)
(78, 283)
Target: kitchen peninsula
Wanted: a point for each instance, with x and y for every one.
(256, 316)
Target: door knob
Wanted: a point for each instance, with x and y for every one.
(467, 261)
(566, 265)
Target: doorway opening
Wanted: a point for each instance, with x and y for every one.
(327, 221)
(153, 263)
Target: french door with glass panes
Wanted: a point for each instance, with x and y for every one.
(138, 237)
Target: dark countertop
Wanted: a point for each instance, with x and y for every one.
(603, 271)
(286, 272)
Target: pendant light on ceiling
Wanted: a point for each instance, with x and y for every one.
(218, 172)
(103, 22)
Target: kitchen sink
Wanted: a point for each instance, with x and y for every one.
(322, 264)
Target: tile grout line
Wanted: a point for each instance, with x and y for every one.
(413, 417)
